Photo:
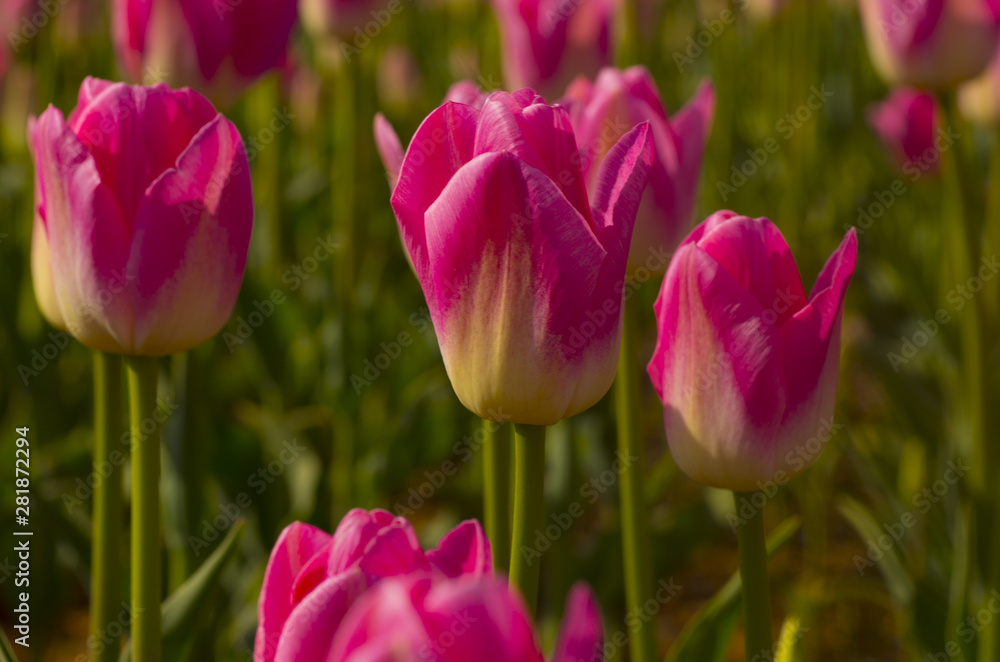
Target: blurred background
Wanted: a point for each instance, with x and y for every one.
(305, 408)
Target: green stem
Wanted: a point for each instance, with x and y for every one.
(106, 562)
(529, 509)
(753, 575)
(146, 577)
(497, 492)
(635, 537)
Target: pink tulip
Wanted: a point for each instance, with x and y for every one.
(518, 264)
(603, 111)
(219, 47)
(143, 217)
(313, 578)
(908, 122)
(547, 43)
(416, 618)
(930, 43)
(745, 364)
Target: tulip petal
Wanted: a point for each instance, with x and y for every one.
(86, 237)
(463, 551)
(506, 250)
(353, 537)
(757, 256)
(309, 632)
(394, 551)
(190, 242)
(442, 144)
(811, 339)
(582, 634)
(295, 546)
(390, 150)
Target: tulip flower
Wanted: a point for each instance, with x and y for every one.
(313, 578)
(745, 364)
(517, 262)
(603, 111)
(547, 43)
(417, 618)
(930, 43)
(143, 212)
(219, 47)
(907, 123)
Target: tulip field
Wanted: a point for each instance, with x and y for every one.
(513, 330)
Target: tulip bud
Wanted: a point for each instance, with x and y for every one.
(312, 578)
(521, 268)
(219, 47)
(930, 43)
(908, 122)
(745, 364)
(547, 43)
(605, 110)
(143, 212)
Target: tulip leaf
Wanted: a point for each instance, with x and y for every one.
(706, 636)
(788, 648)
(865, 524)
(6, 650)
(184, 609)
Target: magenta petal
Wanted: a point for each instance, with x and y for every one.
(442, 144)
(87, 236)
(757, 256)
(354, 535)
(390, 150)
(581, 637)
(295, 546)
(311, 627)
(810, 336)
(463, 551)
(190, 242)
(501, 232)
(495, 624)
(621, 181)
(394, 551)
